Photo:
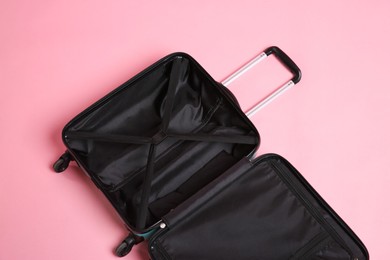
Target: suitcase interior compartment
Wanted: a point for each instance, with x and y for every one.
(159, 138)
(253, 212)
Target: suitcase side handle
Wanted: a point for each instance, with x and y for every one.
(284, 59)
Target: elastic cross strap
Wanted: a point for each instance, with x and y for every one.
(109, 138)
(174, 81)
(126, 139)
(142, 213)
(239, 139)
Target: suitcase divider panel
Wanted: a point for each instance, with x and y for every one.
(249, 212)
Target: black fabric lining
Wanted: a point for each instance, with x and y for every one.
(284, 174)
(204, 218)
(186, 102)
(239, 139)
(142, 218)
(83, 135)
(186, 190)
(199, 179)
(209, 172)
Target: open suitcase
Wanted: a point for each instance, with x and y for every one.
(174, 154)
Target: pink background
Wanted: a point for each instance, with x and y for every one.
(57, 57)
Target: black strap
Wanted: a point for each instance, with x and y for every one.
(170, 98)
(174, 81)
(147, 184)
(110, 138)
(239, 139)
(127, 139)
(146, 187)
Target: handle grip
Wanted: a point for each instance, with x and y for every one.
(287, 61)
(284, 59)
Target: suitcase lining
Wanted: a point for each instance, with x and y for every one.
(247, 207)
(187, 111)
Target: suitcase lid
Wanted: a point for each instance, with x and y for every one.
(259, 209)
(161, 136)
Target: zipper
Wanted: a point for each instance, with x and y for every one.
(313, 211)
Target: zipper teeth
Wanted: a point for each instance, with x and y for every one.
(308, 205)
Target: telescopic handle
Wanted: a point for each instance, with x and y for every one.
(284, 59)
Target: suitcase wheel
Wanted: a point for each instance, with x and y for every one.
(125, 247)
(62, 163)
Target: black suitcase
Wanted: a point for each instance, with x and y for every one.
(174, 154)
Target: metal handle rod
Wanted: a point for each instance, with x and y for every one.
(269, 99)
(226, 82)
(284, 59)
